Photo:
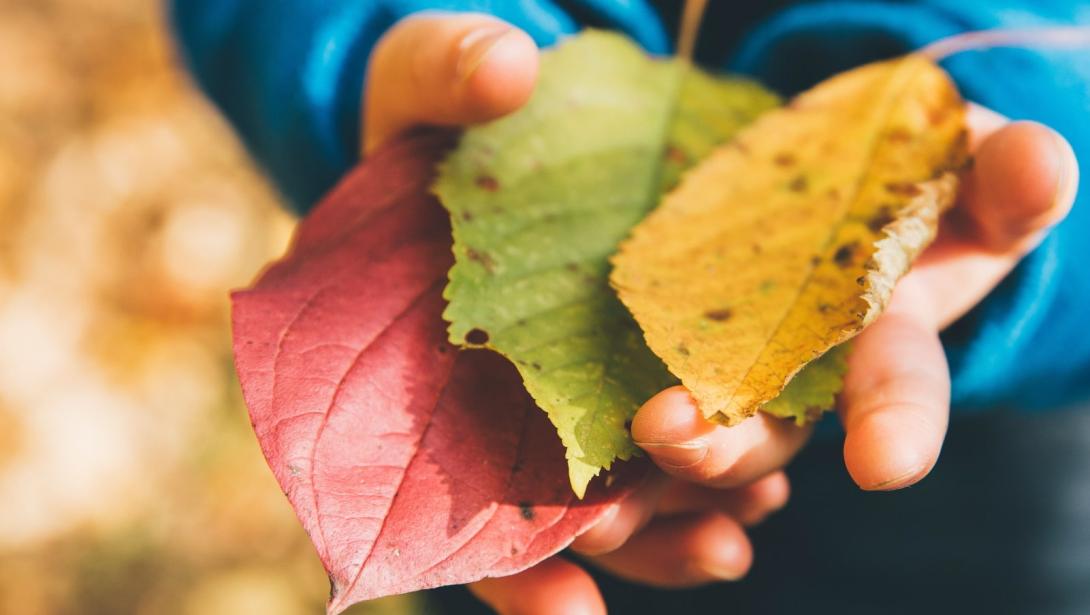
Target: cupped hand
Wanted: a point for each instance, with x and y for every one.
(896, 397)
(685, 526)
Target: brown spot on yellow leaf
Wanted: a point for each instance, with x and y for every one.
(880, 219)
(899, 135)
(784, 159)
(845, 255)
(718, 315)
(903, 189)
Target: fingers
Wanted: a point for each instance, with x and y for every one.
(1023, 181)
(671, 429)
(683, 551)
(446, 69)
(553, 587)
(749, 505)
(625, 518)
(896, 399)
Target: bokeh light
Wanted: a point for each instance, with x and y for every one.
(130, 479)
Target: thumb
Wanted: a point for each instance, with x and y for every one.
(446, 69)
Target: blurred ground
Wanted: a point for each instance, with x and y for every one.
(130, 479)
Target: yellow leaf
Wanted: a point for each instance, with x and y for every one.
(788, 241)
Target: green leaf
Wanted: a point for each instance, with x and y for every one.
(813, 391)
(539, 201)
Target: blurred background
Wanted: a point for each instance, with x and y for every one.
(130, 478)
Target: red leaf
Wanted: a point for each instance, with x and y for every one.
(411, 464)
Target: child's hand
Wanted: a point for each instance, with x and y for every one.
(454, 70)
(443, 69)
(895, 403)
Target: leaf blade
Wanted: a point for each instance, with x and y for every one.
(410, 464)
(797, 232)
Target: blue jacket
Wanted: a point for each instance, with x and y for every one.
(289, 75)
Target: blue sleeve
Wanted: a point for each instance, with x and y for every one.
(288, 74)
(1028, 344)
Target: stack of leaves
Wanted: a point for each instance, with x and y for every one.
(414, 464)
(539, 202)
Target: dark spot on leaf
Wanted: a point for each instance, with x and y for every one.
(718, 315)
(683, 350)
(573, 267)
(481, 258)
(815, 260)
(799, 184)
(526, 509)
(675, 154)
(903, 189)
(521, 322)
(467, 216)
(845, 255)
(477, 337)
(784, 159)
(488, 183)
(825, 308)
(899, 135)
(861, 280)
(880, 220)
(333, 589)
(833, 193)
(756, 248)
(536, 366)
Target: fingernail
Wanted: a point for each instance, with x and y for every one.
(900, 481)
(718, 572)
(1068, 183)
(476, 46)
(676, 455)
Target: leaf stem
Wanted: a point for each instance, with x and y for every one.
(1056, 37)
(690, 28)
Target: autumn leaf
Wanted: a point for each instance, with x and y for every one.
(813, 391)
(789, 240)
(410, 464)
(540, 199)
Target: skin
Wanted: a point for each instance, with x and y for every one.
(686, 526)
